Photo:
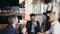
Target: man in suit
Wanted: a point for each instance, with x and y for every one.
(13, 21)
(32, 26)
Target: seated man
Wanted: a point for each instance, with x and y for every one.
(11, 28)
(33, 26)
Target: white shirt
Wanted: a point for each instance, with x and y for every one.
(55, 28)
(14, 25)
(49, 8)
(54, 9)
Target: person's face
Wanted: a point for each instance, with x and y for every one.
(52, 16)
(49, 4)
(16, 21)
(32, 18)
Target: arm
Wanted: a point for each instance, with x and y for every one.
(48, 32)
(55, 10)
(27, 27)
(56, 29)
(38, 28)
(23, 30)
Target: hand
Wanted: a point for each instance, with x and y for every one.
(24, 30)
(43, 33)
(35, 23)
(26, 33)
(38, 33)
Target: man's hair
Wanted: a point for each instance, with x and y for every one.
(47, 1)
(11, 19)
(32, 14)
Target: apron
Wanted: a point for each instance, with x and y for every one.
(48, 24)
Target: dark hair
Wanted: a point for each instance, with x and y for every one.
(47, 1)
(12, 18)
(32, 14)
(47, 12)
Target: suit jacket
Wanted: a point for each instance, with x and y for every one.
(20, 30)
(29, 27)
(10, 30)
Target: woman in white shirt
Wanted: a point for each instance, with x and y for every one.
(49, 8)
(55, 25)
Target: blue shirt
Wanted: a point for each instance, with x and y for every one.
(10, 30)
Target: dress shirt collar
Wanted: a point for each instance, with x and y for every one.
(54, 22)
(13, 25)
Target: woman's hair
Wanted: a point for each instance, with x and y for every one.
(47, 1)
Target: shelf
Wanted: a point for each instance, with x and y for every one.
(9, 14)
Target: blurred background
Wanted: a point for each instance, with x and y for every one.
(22, 8)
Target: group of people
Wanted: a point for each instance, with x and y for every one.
(52, 25)
(33, 26)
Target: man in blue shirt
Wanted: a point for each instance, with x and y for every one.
(13, 20)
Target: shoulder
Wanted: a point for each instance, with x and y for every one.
(29, 22)
(37, 21)
(54, 8)
(57, 25)
(9, 27)
(9, 30)
(56, 28)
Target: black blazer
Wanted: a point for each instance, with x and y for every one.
(10, 30)
(29, 27)
(20, 30)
